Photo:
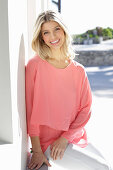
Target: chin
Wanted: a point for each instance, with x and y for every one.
(56, 47)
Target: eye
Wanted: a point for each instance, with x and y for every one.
(57, 28)
(45, 33)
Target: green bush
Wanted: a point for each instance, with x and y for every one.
(89, 32)
(111, 31)
(91, 36)
(96, 37)
(106, 32)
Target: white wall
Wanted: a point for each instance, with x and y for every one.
(30, 23)
(42, 5)
(13, 50)
(17, 18)
(6, 134)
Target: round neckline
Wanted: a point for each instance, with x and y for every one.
(71, 61)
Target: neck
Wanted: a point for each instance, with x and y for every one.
(57, 55)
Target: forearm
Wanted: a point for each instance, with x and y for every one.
(76, 129)
(35, 141)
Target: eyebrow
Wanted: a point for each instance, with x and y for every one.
(54, 28)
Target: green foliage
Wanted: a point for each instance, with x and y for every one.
(89, 32)
(96, 37)
(90, 35)
(107, 33)
(110, 30)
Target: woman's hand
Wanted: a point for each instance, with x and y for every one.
(58, 148)
(38, 158)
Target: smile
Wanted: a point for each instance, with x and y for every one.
(55, 42)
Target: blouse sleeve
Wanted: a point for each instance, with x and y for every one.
(76, 129)
(30, 75)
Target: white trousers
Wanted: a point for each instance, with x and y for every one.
(76, 158)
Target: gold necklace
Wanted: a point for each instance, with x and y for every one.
(65, 61)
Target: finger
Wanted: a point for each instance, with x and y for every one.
(33, 166)
(30, 165)
(47, 163)
(38, 166)
(52, 152)
(57, 154)
(61, 155)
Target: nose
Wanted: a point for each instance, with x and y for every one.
(52, 35)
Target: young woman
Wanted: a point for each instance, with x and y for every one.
(58, 100)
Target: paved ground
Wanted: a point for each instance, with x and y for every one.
(100, 126)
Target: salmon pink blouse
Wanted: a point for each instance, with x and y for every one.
(58, 98)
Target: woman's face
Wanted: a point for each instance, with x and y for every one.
(53, 35)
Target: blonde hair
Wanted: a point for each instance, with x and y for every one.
(38, 44)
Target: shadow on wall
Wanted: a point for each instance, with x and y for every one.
(101, 81)
(21, 102)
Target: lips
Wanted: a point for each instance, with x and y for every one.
(55, 42)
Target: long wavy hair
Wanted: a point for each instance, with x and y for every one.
(38, 44)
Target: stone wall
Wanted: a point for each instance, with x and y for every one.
(95, 58)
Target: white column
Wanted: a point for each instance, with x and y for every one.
(6, 133)
(32, 9)
(13, 49)
(42, 5)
